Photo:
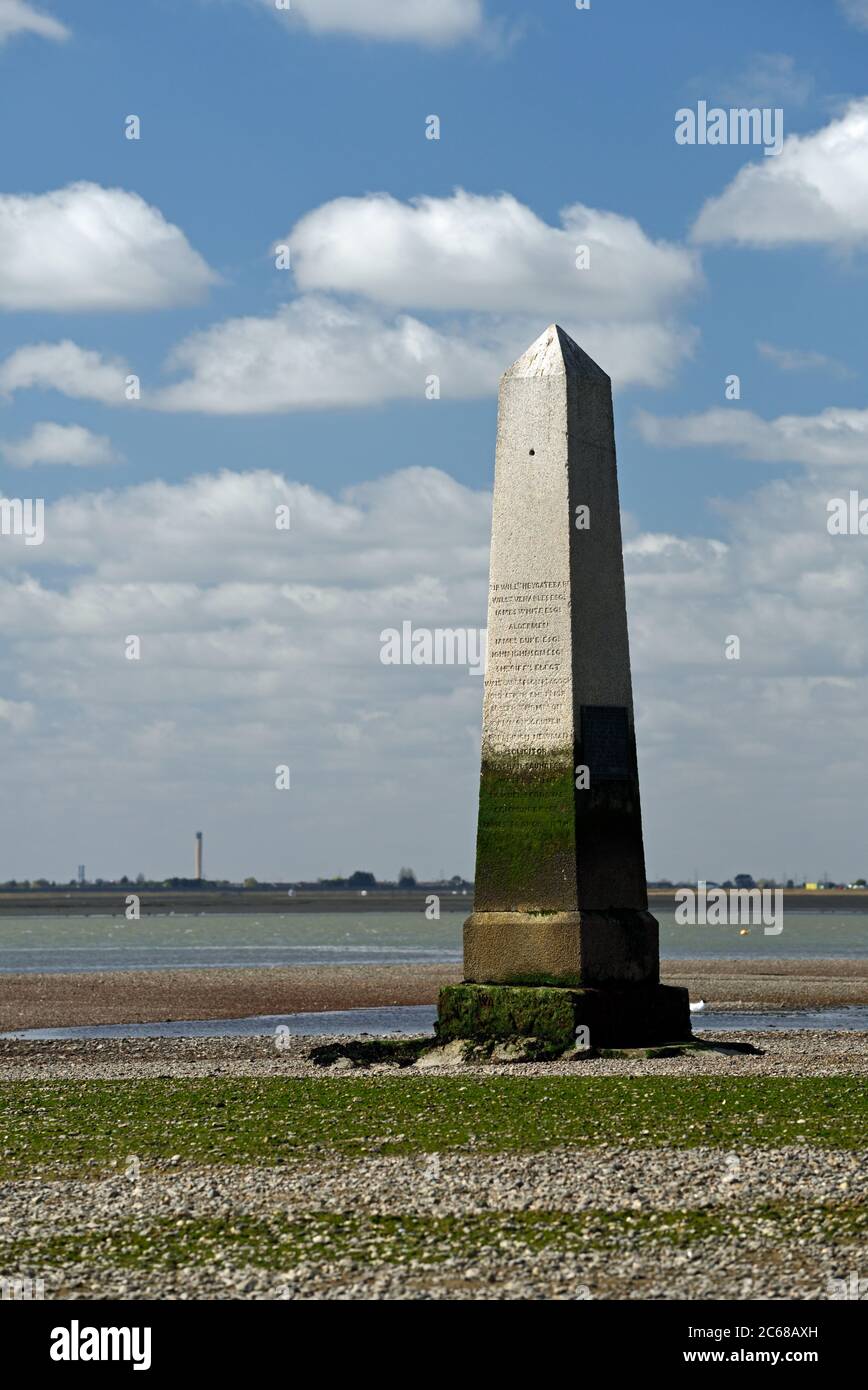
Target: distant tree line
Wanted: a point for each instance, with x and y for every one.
(361, 880)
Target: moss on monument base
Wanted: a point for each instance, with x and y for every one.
(526, 838)
(631, 1017)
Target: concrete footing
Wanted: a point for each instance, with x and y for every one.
(631, 1016)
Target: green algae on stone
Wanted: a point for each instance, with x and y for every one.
(506, 1012)
(526, 840)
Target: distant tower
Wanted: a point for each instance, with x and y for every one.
(81, 873)
(198, 873)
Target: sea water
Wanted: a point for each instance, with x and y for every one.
(49, 944)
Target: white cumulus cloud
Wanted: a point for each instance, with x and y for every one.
(366, 267)
(262, 646)
(48, 442)
(488, 254)
(815, 190)
(834, 438)
(317, 353)
(490, 262)
(18, 17)
(74, 371)
(424, 21)
(85, 247)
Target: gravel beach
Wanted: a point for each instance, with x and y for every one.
(632, 1220)
(745, 1263)
(807, 1053)
(599, 1221)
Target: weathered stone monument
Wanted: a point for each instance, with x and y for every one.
(560, 937)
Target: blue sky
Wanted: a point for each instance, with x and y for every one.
(258, 128)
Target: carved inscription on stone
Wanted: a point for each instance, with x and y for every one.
(528, 689)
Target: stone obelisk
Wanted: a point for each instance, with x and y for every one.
(560, 928)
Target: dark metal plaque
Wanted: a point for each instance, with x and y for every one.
(606, 742)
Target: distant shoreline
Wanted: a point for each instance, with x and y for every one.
(192, 901)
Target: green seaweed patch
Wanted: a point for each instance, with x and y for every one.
(277, 1241)
(92, 1127)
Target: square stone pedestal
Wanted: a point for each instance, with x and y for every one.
(573, 949)
(633, 1016)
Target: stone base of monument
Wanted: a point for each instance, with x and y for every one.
(630, 1016)
(575, 950)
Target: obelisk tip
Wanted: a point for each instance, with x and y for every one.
(554, 353)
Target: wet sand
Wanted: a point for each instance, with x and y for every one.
(148, 996)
